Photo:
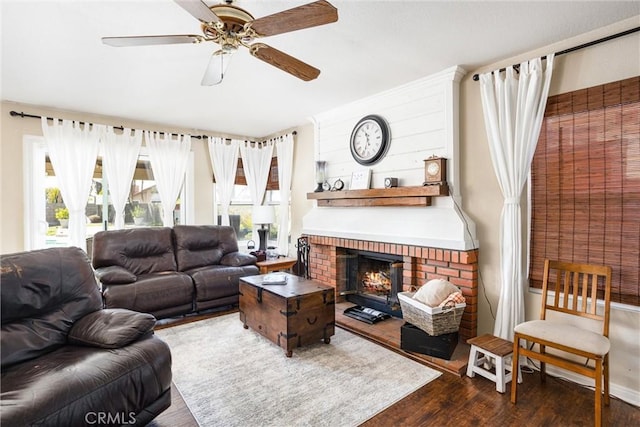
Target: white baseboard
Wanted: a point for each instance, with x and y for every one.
(625, 394)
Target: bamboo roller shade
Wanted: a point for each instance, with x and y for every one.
(586, 184)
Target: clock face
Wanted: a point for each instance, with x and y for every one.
(370, 140)
(433, 168)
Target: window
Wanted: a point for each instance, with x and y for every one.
(240, 215)
(585, 184)
(241, 206)
(44, 222)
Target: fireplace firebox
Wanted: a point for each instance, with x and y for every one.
(373, 280)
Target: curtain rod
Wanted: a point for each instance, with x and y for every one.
(476, 77)
(33, 116)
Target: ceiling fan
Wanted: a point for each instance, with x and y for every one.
(232, 27)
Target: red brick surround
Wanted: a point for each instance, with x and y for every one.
(421, 264)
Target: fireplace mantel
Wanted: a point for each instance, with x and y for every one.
(398, 196)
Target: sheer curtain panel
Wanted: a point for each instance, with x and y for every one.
(513, 110)
(169, 160)
(256, 162)
(284, 151)
(224, 161)
(119, 162)
(73, 150)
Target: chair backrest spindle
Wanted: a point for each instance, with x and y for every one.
(575, 288)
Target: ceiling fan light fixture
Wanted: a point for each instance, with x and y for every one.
(228, 48)
(217, 68)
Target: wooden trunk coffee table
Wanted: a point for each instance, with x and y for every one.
(292, 315)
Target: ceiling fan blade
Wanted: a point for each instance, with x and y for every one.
(283, 61)
(199, 10)
(217, 68)
(305, 16)
(151, 40)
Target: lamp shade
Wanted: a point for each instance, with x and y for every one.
(263, 215)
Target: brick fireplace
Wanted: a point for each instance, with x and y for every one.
(420, 264)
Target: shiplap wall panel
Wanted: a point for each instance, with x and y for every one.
(419, 117)
(423, 117)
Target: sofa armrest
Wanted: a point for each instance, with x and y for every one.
(115, 275)
(110, 328)
(238, 259)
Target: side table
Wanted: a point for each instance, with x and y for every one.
(276, 264)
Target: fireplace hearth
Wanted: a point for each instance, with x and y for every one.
(373, 280)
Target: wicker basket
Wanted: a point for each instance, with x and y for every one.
(432, 320)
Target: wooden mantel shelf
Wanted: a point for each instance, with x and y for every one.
(398, 196)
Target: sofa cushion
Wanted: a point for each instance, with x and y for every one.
(111, 328)
(73, 382)
(151, 293)
(238, 259)
(43, 293)
(138, 250)
(218, 281)
(203, 245)
(115, 274)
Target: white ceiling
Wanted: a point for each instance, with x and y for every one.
(52, 55)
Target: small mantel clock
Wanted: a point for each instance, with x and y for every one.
(435, 170)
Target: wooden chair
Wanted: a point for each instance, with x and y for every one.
(575, 292)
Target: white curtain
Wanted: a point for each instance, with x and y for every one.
(224, 161)
(120, 154)
(284, 151)
(513, 112)
(169, 160)
(73, 149)
(256, 162)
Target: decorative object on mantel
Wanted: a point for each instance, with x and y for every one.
(321, 175)
(360, 179)
(390, 182)
(338, 185)
(370, 140)
(435, 170)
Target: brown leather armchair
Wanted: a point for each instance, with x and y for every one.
(65, 360)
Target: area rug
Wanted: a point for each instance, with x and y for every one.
(231, 376)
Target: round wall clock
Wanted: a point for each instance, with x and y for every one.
(370, 140)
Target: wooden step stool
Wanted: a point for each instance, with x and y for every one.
(487, 350)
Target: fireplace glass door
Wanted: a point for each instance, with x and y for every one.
(374, 280)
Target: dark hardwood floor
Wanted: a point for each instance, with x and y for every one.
(454, 399)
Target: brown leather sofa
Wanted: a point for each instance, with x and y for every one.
(65, 360)
(170, 271)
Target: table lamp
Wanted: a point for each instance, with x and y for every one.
(263, 215)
